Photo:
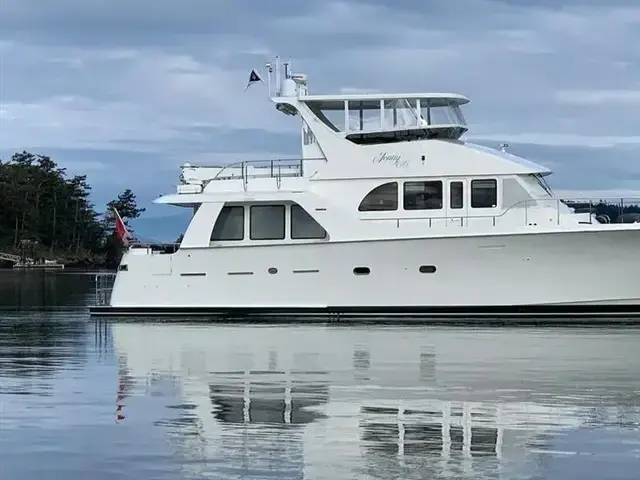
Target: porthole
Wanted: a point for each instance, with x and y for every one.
(272, 270)
(361, 271)
(427, 269)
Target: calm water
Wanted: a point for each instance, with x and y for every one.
(143, 400)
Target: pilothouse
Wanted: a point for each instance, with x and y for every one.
(388, 211)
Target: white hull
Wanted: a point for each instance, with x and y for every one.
(596, 267)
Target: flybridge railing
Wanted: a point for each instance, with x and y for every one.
(543, 211)
(263, 168)
(252, 169)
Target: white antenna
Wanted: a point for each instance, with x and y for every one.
(269, 73)
(278, 86)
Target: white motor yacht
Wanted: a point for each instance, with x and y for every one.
(387, 212)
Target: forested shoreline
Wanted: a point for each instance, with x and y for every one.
(44, 207)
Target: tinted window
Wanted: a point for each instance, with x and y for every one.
(229, 225)
(456, 195)
(484, 193)
(267, 222)
(384, 197)
(303, 225)
(423, 195)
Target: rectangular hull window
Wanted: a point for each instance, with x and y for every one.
(304, 226)
(423, 195)
(229, 225)
(267, 222)
(484, 193)
(456, 195)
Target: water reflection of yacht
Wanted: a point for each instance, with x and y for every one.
(313, 396)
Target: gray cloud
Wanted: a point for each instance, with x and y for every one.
(124, 22)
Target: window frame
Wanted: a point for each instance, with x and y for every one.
(425, 184)
(397, 200)
(495, 192)
(284, 221)
(242, 231)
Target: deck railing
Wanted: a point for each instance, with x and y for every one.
(263, 168)
(252, 169)
(104, 287)
(616, 210)
(157, 248)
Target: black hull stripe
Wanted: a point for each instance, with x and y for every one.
(534, 314)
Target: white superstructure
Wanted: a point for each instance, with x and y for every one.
(388, 210)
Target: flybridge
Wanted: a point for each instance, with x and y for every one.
(370, 118)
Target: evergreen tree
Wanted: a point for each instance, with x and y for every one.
(41, 204)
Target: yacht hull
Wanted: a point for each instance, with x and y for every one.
(542, 275)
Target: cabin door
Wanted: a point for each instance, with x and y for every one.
(456, 201)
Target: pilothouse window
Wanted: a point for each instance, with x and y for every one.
(442, 111)
(423, 195)
(400, 114)
(330, 112)
(484, 193)
(267, 222)
(383, 197)
(304, 226)
(230, 224)
(364, 115)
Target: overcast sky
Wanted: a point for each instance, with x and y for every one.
(126, 90)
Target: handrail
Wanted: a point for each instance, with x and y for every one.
(162, 248)
(264, 160)
(153, 244)
(447, 217)
(103, 287)
(280, 162)
(533, 202)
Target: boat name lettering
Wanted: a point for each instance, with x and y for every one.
(394, 159)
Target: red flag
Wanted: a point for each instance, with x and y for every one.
(121, 229)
